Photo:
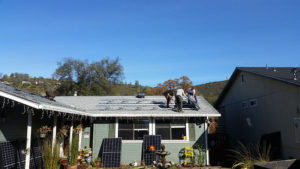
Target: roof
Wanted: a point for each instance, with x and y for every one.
(107, 106)
(283, 74)
(36, 101)
(130, 106)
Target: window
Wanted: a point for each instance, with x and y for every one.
(171, 129)
(252, 103)
(133, 129)
(244, 105)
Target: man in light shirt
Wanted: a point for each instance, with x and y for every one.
(179, 97)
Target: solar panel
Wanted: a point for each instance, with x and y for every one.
(111, 152)
(8, 154)
(12, 155)
(151, 144)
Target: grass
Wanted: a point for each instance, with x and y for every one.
(73, 157)
(50, 160)
(246, 156)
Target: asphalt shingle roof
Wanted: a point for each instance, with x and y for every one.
(130, 106)
(108, 106)
(285, 74)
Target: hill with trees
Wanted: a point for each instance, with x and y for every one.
(212, 90)
(101, 78)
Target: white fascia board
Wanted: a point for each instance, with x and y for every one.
(156, 115)
(20, 100)
(64, 110)
(40, 106)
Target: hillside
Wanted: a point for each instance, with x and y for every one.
(212, 90)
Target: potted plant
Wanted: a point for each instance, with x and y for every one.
(43, 131)
(98, 162)
(78, 128)
(62, 133)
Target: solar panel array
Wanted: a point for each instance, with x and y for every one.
(111, 152)
(148, 155)
(12, 155)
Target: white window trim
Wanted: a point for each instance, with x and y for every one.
(152, 132)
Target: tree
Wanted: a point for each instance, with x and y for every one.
(171, 84)
(185, 83)
(96, 78)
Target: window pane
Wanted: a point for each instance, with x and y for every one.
(124, 124)
(178, 123)
(164, 132)
(139, 134)
(141, 124)
(178, 133)
(133, 129)
(126, 134)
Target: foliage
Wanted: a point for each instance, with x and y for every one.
(73, 156)
(96, 78)
(62, 133)
(50, 160)
(247, 156)
(211, 91)
(183, 82)
(44, 130)
(201, 156)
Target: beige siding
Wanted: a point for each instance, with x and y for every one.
(277, 104)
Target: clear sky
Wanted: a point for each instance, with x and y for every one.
(155, 39)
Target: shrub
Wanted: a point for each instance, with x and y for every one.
(247, 156)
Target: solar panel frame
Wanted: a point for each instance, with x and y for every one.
(111, 152)
(12, 155)
(147, 155)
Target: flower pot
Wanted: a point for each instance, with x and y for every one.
(43, 135)
(98, 163)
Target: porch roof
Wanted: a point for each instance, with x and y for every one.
(36, 101)
(130, 106)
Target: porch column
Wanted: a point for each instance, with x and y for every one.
(206, 140)
(61, 145)
(28, 141)
(80, 136)
(71, 136)
(54, 131)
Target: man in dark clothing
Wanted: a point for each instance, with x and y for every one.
(169, 95)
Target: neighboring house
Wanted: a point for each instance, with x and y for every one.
(22, 113)
(263, 103)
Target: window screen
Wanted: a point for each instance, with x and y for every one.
(133, 129)
(171, 129)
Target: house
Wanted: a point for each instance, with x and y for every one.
(263, 104)
(128, 117)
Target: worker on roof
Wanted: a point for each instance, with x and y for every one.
(192, 98)
(169, 96)
(179, 99)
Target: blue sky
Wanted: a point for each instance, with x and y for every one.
(155, 39)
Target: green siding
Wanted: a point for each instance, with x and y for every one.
(100, 131)
(133, 151)
(86, 141)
